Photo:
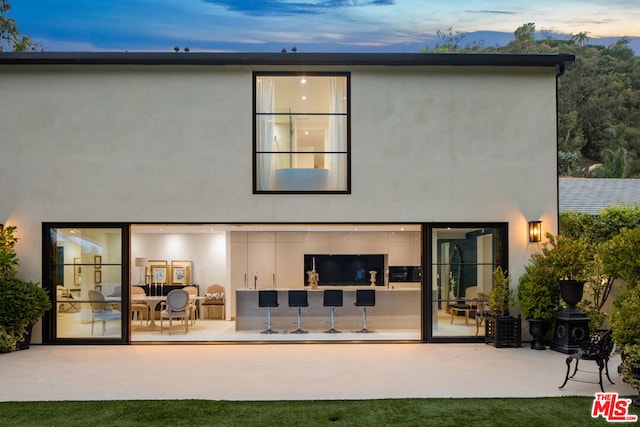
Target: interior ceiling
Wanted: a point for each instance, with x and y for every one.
(219, 228)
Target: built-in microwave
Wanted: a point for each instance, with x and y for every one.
(405, 274)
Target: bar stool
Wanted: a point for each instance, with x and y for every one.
(268, 298)
(333, 299)
(298, 299)
(365, 298)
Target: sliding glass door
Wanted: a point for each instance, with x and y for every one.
(84, 269)
(463, 259)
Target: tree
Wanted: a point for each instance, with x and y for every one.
(598, 98)
(616, 162)
(581, 38)
(615, 234)
(450, 43)
(10, 37)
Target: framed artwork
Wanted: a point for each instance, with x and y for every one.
(159, 274)
(180, 271)
(180, 275)
(158, 261)
(97, 276)
(97, 261)
(77, 270)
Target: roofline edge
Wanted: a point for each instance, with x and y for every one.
(560, 60)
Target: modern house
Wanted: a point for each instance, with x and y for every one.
(412, 175)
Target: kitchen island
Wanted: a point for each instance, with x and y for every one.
(395, 309)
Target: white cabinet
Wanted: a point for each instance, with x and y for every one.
(346, 242)
(289, 265)
(270, 256)
(238, 266)
(261, 264)
(375, 242)
(317, 243)
(404, 248)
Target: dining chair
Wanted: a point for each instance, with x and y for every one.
(465, 305)
(138, 308)
(214, 298)
(193, 308)
(175, 307)
(101, 311)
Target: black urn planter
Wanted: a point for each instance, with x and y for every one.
(25, 343)
(571, 325)
(571, 292)
(538, 328)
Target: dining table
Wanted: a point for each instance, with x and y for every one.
(152, 302)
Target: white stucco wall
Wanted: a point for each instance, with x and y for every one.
(174, 144)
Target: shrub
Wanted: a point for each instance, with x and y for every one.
(620, 256)
(625, 322)
(21, 304)
(501, 297)
(539, 291)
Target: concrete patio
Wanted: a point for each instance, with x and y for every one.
(291, 372)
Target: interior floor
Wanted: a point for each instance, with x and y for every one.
(72, 325)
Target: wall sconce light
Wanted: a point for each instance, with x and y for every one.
(535, 231)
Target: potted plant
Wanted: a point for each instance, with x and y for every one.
(21, 302)
(538, 295)
(625, 322)
(571, 260)
(502, 328)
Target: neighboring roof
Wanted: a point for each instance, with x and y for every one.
(591, 195)
(559, 60)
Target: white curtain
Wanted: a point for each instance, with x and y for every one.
(265, 104)
(336, 163)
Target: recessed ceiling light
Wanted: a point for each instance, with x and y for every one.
(303, 80)
(304, 97)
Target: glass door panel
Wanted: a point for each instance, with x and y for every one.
(463, 260)
(85, 277)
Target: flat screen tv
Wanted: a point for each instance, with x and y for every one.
(344, 270)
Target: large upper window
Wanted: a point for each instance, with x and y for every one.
(301, 133)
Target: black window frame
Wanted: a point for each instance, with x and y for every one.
(49, 320)
(255, 114)
(502, 260)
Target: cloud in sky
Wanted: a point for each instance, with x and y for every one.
(284, 8)
(491, 12)
(311, 25)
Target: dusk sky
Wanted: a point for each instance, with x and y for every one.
(311, 26)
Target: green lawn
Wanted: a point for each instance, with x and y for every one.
(564, 411)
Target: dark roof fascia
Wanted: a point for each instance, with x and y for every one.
(560, 60)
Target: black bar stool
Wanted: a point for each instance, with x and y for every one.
(268, 298)
(365, 298)
(298, 299)
(333, 299)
